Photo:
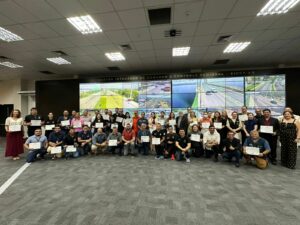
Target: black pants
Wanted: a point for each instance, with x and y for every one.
(159, 149)
(272, 139)
(197, 149)
(86, 149)
(215, 150)
(170, 148)
(118, 148)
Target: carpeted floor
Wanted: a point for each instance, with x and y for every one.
(113, 190)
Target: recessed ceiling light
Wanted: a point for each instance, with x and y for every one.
(181, 51)
(8, 36)
(85, 24)
(277, 7)
(115, 56)
(236, 47)
(10, 65)
(58, 60)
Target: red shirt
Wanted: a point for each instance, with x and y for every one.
(128, 134)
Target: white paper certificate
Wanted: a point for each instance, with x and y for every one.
(156, 141)
(172, 122)
(195, 137)
(34, 146)
(162, 122)
(145, 139)
(70, 148)
(119, 119)
(112, 142)
(14, 128)
(65, 123)
(99, 125)
(243, 117)
(36, 123)
(114, 125)
(106, 117)
(205, 125)
(77, 124)
(218, 125)
(56, 150)
(49, 127)
(87, 123)
(266, 129)
(252, 150)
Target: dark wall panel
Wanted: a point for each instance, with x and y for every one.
(293, 90)
(56, 96)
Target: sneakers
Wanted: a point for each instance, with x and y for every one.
(161, 157)
(172, 157)
(188, 160)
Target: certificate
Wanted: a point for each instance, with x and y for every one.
(87, 123)
(205, 125)
(99, 125)
(145, 139)
(106, 117)
(70, 148)
(162, 122)
(14, 128)
(172, 122)
(65, 123)
(195, 137)
(77, 124)
(218, 125)
(49, 127)
(156, 141)
(266, 129)
(36, 123)
(34, 146)
(112, 142)
(252, 150)
(119, 119)
(243, 117)
(55, 150)
(114, 125)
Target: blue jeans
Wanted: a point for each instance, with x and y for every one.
(73, 154)
(179, 155)
(144, 148)
(31, 157)
(231, 154)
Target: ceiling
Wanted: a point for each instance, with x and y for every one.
(43, 25)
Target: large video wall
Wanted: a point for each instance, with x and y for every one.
(200, 94)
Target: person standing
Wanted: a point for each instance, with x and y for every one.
(181, 122)
(289, 137)
(49, 124)
(31, 127)
(14, 135)
(271, 134)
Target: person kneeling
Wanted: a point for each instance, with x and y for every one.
(183, 144)
(211, 142)
(143, 139)
(257, 148)
(128, 137)
(99, 142)
(232, 147)
(70, 144)
(85, 140)
(37, 145)
(114, 141)
(170, 143)
(55, 142)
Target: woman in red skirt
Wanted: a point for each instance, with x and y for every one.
(14, 135)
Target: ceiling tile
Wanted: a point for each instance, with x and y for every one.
(118, 37)
(143, 45)
(235, 25)
(108, 21)
(62, 27)
(133, 18)
(123, 5)
(41, 29)
(188, 12)
(209, 27)
(246, 8)
(68, 8)
(97, 6)
(140, 34)
(157, 2)
(216, 9)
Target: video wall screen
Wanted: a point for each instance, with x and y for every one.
(200, 94)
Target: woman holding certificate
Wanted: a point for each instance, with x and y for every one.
(289, 137)
(14, 135)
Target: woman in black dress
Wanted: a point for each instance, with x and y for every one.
(289, 136)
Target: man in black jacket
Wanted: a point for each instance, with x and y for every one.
(182, 122)
(232, 148)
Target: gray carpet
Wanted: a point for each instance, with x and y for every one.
(113, 190)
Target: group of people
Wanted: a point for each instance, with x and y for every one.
(243, 134)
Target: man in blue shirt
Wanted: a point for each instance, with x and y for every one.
(39, 150)
(264, 149)
(85, 140)
(99, 142)
(56, 140)
(143, 143)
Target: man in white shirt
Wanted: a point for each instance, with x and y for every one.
(211, 142)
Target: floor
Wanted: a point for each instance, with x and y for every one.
(113, 190)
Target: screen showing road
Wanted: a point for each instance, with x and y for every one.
(202, 94)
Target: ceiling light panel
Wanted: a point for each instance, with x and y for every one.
(85, 24)
(277, 7)
(115, 56)
(181, 51)
(8, 36)
(58, 60)
(10, 65)
(236, 47)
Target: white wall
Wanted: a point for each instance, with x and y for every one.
(9, 93)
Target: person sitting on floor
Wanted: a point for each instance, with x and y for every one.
(85, 139)
(99, 142)
(128, 137)
(232, 148)
(211, 142)
(196, 141)
(114, 141)
(183, 144)
(56, 141)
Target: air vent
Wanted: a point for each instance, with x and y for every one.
(221, 61)
(126, 47)
(224, 39)
(173, 33)
(159, 16)
(46, 72)
(113, 68)
(60, 53)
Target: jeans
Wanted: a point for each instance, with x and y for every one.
(31, 157)
(180, 155)
(113, 149)
(144, 148)
(73, 154)
(229, 155)
(129, 148)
